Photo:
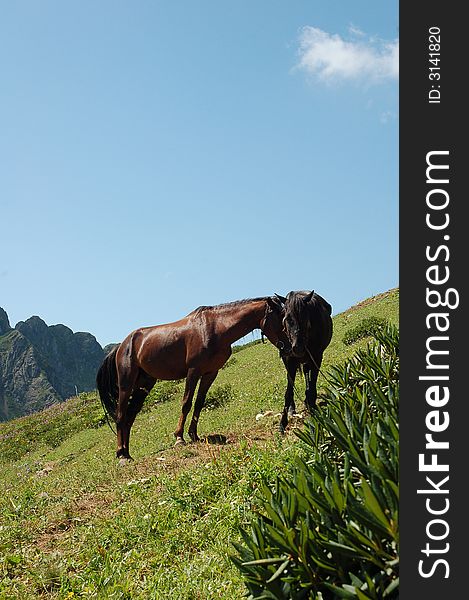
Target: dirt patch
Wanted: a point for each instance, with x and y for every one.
(102, 503)
(46, 469)
(76, 512)
(90, 505)
(176, 459)
(183, 457)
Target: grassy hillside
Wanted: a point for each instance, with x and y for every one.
(75, 524)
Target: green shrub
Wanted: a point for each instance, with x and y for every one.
(219, 396)
(329, 529)
(367, 327)
(230, 362)
(238, 347)
(163, 391)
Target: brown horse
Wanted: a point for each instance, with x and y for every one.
(194, 348)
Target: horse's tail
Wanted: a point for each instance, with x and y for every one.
(106, 382)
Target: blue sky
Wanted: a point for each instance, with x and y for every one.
(156, 156)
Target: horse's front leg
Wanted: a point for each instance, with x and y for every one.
(204, 385)
(311, 377)
(291, 365)
(191, 383)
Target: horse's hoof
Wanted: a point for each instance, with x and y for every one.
(125, 460)
(281, 429)
(180, 442)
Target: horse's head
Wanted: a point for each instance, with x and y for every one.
(296, 321)
(272, 324)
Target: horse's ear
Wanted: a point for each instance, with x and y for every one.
(307, 298)
(281, 298)
(274, 304)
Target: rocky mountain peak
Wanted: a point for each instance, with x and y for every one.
(5, 326)
(43, 364)
(33, 326)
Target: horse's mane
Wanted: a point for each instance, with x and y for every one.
(233, 304)
(317, 302)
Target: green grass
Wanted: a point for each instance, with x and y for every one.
(75, 524)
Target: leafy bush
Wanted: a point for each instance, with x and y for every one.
(330, 528)
(230, 362)
(219, 396)
(367, 327)
(162, 391)
(238, 347)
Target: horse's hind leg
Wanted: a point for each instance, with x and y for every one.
(141, 390)
(122, 424)
(204, 385)
(127, 376)
(191, 383)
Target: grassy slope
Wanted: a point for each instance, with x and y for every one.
(75, 524)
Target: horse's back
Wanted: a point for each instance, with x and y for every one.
(169, 350)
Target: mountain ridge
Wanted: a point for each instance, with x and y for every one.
(42, 364)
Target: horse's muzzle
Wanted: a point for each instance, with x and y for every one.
(298, 351)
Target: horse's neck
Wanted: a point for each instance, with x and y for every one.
(242, 321)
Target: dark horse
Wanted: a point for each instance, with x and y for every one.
(194, 348)
(308, 325)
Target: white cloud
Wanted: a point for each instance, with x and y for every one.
(330, 58)
(355, 31)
